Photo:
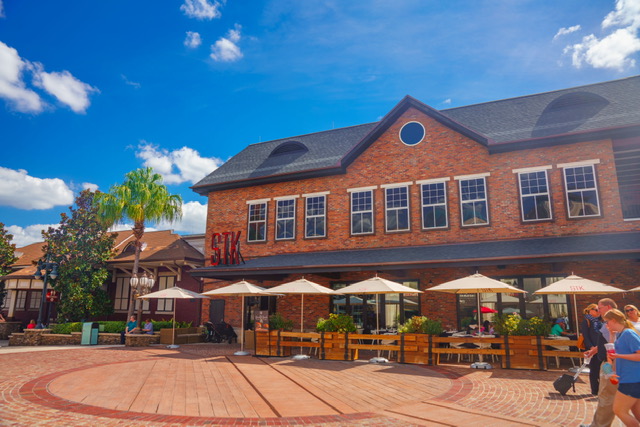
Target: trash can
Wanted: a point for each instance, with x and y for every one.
(90, 333)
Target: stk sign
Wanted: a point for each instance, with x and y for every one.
(225, 248)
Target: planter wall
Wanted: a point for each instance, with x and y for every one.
(267, 344)
(522, 347)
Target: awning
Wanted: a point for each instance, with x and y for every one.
(504, 252)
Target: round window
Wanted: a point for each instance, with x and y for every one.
(412, 133)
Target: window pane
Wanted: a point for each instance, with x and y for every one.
(397, 208)
(362, 212)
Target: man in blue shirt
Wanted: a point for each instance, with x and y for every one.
(132, 327)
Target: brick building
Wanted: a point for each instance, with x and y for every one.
(527, 190)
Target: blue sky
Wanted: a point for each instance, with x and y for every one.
(90, 90)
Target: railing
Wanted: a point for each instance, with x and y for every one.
(515, 352)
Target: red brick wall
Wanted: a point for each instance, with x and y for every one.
(619, 273)
(444, 153)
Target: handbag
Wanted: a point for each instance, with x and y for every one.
(580, 343)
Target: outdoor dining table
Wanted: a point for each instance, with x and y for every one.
(478, 344)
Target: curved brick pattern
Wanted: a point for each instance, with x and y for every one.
(206, 385)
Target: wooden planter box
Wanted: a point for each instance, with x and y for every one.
(334, 348)
(267, 344)
(416, 349)
(182, 336)
(522, 357)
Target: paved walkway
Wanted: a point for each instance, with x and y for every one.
(206, 385)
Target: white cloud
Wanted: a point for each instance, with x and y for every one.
(201, 9)
(447, 101)
(192, 40)
(29, 234)
(564, 31)
(65, 87)
(177, 166)
(616, 49)
(89, 186)
(12, 87)
(1, 10)
(129, 82)
(226, 48)
(194, 219)
(62, 85)
(22, 191)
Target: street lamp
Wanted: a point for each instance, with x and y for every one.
(45, 270)
(142, 286)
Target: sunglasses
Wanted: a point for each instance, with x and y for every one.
(629, 310)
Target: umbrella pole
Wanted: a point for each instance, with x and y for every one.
(301, 319)
(575, 311)
(173, 332)
(242, 352)
(378, 318)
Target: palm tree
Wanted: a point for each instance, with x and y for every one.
(141, 197)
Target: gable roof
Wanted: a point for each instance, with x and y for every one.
(563, 116)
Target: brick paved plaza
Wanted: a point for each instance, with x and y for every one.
(204, 384)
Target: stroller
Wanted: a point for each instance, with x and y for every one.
(219, 332)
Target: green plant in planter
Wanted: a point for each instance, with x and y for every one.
(278, 321)
(421, 325)
(515, 325)
(336, 323)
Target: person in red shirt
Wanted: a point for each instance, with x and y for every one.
(32, 324)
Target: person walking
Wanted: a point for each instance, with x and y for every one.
(604, 416)
(589, 328)
(627, 367)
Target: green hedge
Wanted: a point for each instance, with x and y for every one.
(115, 326)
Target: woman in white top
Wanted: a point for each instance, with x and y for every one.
(631, 311)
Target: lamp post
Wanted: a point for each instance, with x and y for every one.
(142, 285)
(45, 270)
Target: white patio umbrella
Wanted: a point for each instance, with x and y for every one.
(301, 287)
(173, 293)
(241, 289)
(574, 285)
(377, 285)
(477, 284)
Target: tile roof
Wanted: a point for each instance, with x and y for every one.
(608, 105)
(545, 249)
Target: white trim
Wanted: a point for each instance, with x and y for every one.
(631, 219)
(257, 201)
(433, 181)
(264, 202)
(396, 185)
(351, 213)
(462, 203)
(295, 211)
(569, 192)
(534, 195)
(356, 190)
(307, 217)
(424, 133)
(295, 196)
(580, 163)
(532, 169)
(388, 209)
(442, 181)
(318, 194)
(473, 176)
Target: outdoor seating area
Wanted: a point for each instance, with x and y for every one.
(518, 352)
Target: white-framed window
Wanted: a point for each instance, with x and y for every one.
(362, 211)
(315, 215)
(35, 298)
(164, 282)
(396, 203)
(121, 298)
(474, 207)
(285, 219)
(257, 221)
(21, 300)
(433, 195)
(535, 201)
(581, 189)
(7, 301)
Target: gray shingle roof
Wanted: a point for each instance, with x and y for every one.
(545, 249)
(607, 105)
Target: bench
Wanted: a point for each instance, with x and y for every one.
(181, 336)
(141, 340)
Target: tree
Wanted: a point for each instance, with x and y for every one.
(7, 257)
(81, 246)
(141, 197)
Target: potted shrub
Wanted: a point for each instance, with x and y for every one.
(521, 334)
(268, 342)
(336, 327)
(417, 329)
